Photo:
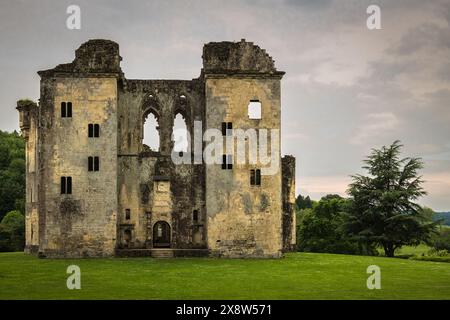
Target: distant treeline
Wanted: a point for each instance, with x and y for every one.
(12, 191)
(443, 216)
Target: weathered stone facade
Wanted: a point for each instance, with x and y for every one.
(92, 195)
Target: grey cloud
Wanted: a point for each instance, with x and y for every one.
(310, 4)
(163, 39)
(427, 36)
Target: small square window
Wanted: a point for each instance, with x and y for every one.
(254, 109)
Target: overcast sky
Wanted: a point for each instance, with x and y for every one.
(347, 89)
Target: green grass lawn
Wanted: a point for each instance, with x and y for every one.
(297, 276)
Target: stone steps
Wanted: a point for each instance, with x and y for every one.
(162, 253)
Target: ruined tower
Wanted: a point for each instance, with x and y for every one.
(95, 189)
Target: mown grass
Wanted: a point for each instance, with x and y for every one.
(297, 276)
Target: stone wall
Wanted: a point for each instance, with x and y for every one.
(29, 112)
(243, 220)
(82, 223)
(288, 198)
(142, 170)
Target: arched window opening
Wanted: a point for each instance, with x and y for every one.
(180, 134)
(254, 109)
(151, 132)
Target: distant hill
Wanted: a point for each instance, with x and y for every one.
(442, 215)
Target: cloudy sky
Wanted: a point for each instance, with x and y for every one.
(347, 89)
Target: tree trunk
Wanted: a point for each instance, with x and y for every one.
(388, 249)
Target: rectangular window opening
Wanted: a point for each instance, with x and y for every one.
(63, 185)
(254, 109)
(258, 177)
(224, 161)
(63, 110)
(252, 177)
(90, 164)
(255, 177)
(229, 162)
(96, 163)
(90, 130)
(96, 130)
(69, 109)
(195, 215)
(66, 185)
(227, 128)
(69, 185)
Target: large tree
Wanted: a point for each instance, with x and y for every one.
(384, 211)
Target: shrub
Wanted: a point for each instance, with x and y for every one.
(442, 240)
(320, 230)
(12, 232)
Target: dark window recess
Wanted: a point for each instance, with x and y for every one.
(66, 185)
(230, 162)
(127, 214)
(90, 130)
(96, 130)
(96, 163)
(69, 185)
(224, 161)
(258, 177)
(255, 177)
(93, 163)
(195, 215)
(69, 109)
(93, 130)
(63, 110)
(90, 163)
(227, 161)
(227, 128)
(63, 185)
(66, 109)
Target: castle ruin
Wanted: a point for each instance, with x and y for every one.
(94, 189)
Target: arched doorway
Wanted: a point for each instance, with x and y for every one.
(161, 235)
